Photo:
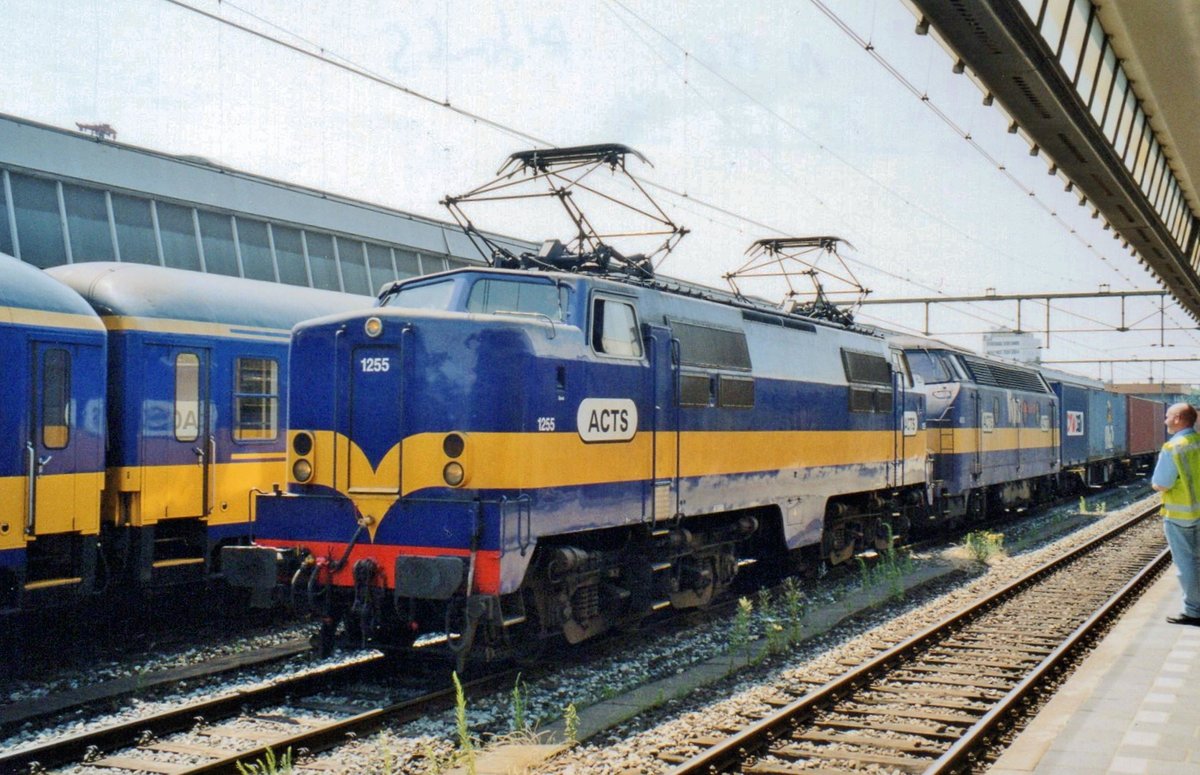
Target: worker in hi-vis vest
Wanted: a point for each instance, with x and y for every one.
(1177, 477)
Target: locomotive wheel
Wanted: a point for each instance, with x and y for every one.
(840, 544)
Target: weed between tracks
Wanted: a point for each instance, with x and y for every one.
(982, 545)
(268, 765)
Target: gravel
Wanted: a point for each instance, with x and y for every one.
(584, 677)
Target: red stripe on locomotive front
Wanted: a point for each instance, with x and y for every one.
(487, 562)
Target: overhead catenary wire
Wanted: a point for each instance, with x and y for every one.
(871, 50)
(322, 54)
(690, 86)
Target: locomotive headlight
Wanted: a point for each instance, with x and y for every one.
(373, 327)
(453, 445)
(302, 470)
(454, 474)
(302, 444)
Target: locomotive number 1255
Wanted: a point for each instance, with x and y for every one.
(369, 365)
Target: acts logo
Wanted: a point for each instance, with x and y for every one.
(606, 419)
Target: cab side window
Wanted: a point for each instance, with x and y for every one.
(615, 328)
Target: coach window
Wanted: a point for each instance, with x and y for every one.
(256, 400)
(615, 328)
(187, 397)
(56, 392)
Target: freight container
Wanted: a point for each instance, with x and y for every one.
(1145, 432)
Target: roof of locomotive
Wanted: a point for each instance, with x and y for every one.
(666, 285)
(137, 290)
(24, 286)
(912, 341)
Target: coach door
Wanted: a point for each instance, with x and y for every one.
(904, 421)
(178, 446)
(373, 420)
(977, 459)
(52, 452)
(662, 502)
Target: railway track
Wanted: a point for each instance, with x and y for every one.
(112, 691)
(942, 700)
(239, 727)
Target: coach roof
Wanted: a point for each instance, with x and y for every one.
(137, 290)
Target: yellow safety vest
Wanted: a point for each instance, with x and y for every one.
(1179, 502)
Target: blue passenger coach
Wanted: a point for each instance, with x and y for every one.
(52, 346)
(197, 367)
(493, 447)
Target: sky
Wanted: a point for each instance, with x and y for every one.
(761, 119)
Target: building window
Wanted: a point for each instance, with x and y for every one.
(407, 263)
(187, 397)
(39, 224)
(256, 400)
(354, 268)
(135, 230)
(255, 244)
(289, 255)
(177, 231)
(382, 269)
(6, 245)
(320, 261)
(216, 235)
(87, 222)
(56, 397)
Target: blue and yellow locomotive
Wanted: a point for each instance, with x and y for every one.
(993, 430)
(560, 442)
(568, 451)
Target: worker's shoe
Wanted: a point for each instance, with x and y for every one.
(1184, 619)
